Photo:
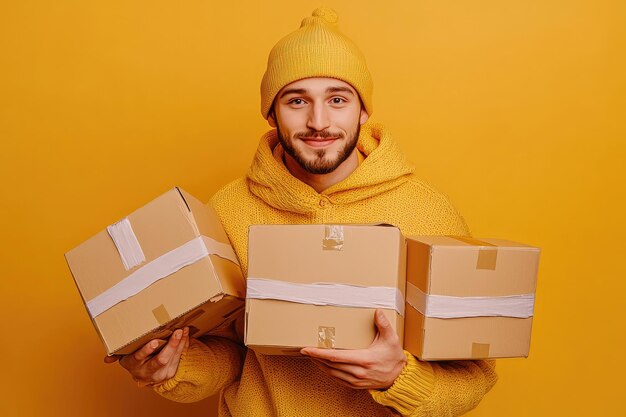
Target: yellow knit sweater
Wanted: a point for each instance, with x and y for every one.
(382, 189)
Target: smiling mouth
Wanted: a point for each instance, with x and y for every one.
(317, 142)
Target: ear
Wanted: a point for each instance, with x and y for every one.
(271, 116)
(364, 116)
(271, 120)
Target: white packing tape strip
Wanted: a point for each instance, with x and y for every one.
(223, 250)
(448, 307)
(324, 293)
(126, 243)
(159, 268)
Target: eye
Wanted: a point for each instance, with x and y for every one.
(296, 101)
(338, 100)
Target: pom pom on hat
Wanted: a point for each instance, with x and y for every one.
(316, 49)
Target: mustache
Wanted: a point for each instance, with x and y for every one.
(318, 134)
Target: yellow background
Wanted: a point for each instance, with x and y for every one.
(515, 109)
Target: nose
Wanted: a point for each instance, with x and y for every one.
(318, 117)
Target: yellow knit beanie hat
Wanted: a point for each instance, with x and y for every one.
(316, 49)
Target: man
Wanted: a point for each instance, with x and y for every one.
(324, 163)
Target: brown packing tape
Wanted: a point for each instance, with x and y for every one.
(161, 315)
(487, 256)
(326, 337)
(480, 350)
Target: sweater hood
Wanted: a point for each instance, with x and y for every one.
(384, 168)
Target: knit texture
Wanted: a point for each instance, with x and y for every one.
(316, 49)
(382, 189)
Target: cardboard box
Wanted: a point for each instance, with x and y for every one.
(167, 265)
(469, 298)
(316, 285)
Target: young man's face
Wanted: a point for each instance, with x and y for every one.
(318, 122)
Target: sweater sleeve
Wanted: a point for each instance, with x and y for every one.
(439, 388)
(204, 369)
(448, 388)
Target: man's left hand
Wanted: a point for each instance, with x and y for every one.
(376, 367)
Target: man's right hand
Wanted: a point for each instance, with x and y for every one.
(148, 368)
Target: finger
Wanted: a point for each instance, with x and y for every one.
(111, 359)
(182, 347)
(357, 371)
(147, 350)
(163, 373)
(185, 342)
(356, 356)
(385, 330)
(339, 375)
(164, 356)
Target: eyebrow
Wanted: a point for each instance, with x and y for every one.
(293, 91)
(339, 90)
(304, 91)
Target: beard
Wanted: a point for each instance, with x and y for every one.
(321, 164)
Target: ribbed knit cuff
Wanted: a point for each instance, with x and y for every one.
(410, 389)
